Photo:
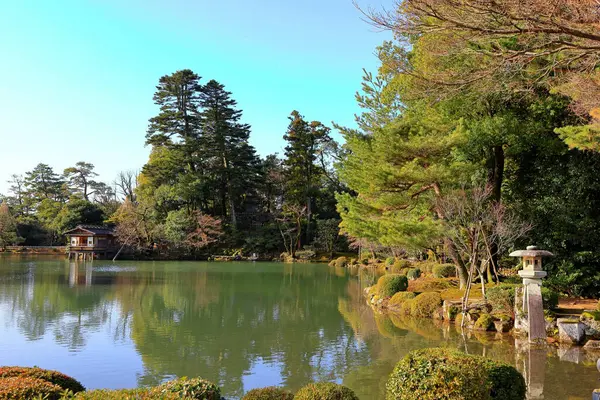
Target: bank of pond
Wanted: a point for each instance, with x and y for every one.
(427, 374)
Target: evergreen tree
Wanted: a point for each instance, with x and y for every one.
(43, 183)
(303, 174)
(80, 180)
(232, 160)
(8, 227)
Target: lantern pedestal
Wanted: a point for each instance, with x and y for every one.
(531, 305)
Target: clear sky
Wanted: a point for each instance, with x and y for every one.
(77, 77)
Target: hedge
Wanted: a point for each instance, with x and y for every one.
(388, 285)
(325, 391)
(55, 377)
(122, 394)
(268, 393)
(435, 374)
(444, 271)
(425, 304)
(27, 387)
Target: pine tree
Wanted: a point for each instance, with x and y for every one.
(43, 183)
(80, 177)
(302, 172)
(8, 227)
(232, 160)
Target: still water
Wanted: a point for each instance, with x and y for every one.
(241, 325)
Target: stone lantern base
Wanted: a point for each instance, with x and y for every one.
(529, 309)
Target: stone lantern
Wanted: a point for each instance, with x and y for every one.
(528, 301)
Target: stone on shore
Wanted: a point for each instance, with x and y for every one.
(593, 345)
(570, 331)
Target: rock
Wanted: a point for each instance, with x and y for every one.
(596, 394)
(592, 345)
(438, 314)
(592, 324)
(570, 331)
(451, 309)
(551, 326)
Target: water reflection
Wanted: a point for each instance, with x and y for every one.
(240, 325)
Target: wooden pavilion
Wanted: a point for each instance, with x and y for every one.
(88, 242)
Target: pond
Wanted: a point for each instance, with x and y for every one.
(240, 325)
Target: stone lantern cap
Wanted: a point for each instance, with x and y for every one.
(532, 251)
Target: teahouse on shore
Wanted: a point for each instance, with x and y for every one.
(88, 242)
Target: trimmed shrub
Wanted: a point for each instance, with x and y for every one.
(400, 265)
(341, 262)
(388, 285)
(429, 285)
(399, 298)
(406, 306)
(27, 387)
(433, 374)
(444, 271)
(502, 298)
(426, 266)
(550, 298)
(268, 393)
(390, 261)
(325, 391)
(413, 273)
(122, 394)
(63, 381)
(425, 304)
(189, 388)
(306, 254)
(485, 322)
(455, 294)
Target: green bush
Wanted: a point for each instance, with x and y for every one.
(406, 306)
(485, 322)
(121, 394)
(502, 298)
(399, 298)
(444, 271)
(433, 374)
(55, 377)
(388, 285)
(389, 261)
(430, 285)
(27, 387)
(268, 393)
(426, 266)
(400, 265)
(325, 391)
(413, 273)
(550, 298)
(425, 304)
(189, 388)
(341, 262)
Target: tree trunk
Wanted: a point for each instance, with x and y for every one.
(461, 268)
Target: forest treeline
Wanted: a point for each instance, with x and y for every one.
(479, 134)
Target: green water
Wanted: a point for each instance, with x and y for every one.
(241, 325)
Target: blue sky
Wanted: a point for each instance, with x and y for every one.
(77, 77)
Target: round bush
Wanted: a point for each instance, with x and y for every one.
(485, 322)
(390, 261)
(406, 307)
(268, 393)
(399, 298)
(341, 262)
(325, 391)
(27, 387)
(444, 271)
(388, 285)
(400, 265)
(413, 273)
(425, 304)
(189, 388)
(55, 377)
(430, 285)
(433, 374)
